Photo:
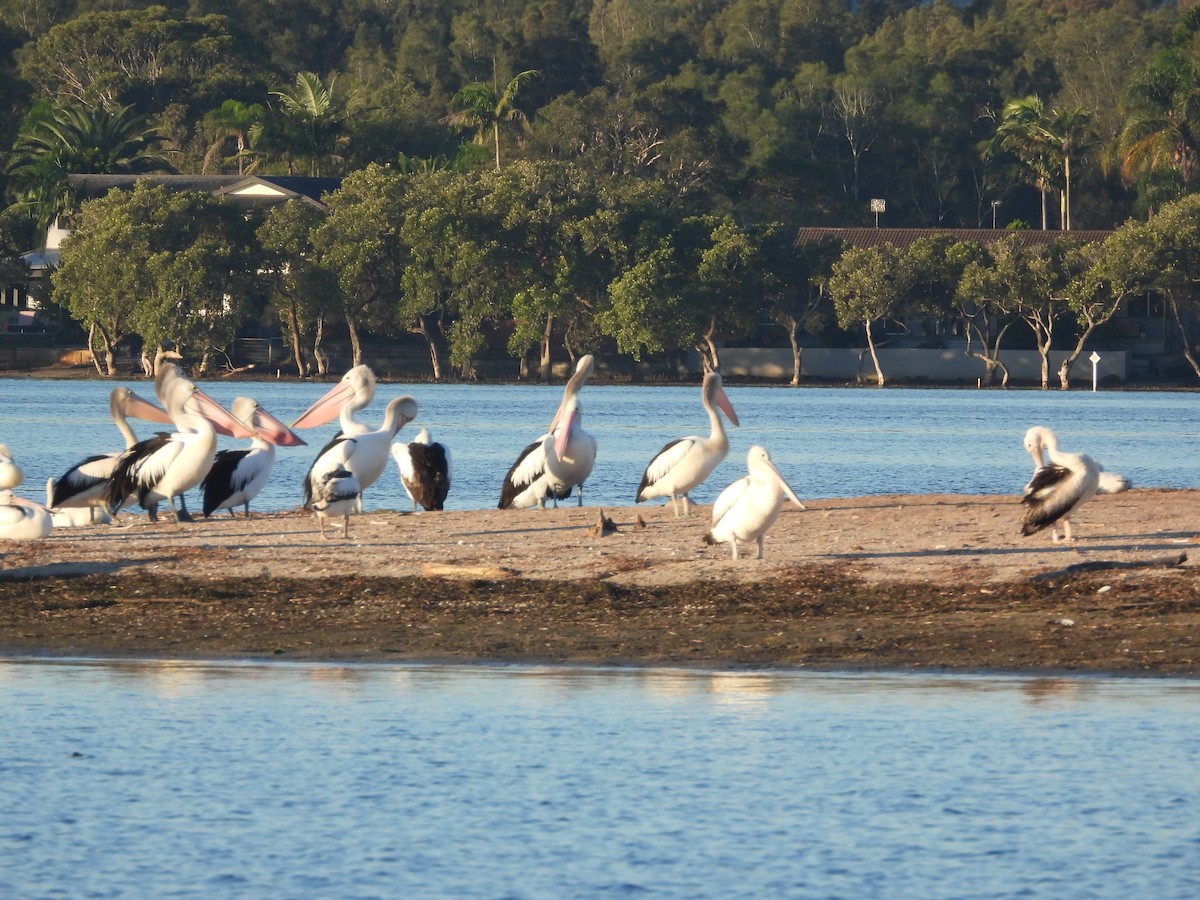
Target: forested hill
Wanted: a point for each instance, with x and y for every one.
(795, 111)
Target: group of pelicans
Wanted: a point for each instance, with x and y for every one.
(160, 469)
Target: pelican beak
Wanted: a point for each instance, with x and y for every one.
(271, 429)
(327, 408)
(21, 501)
(726, 407)
(223, 421)
(791, 495)
(140, 408)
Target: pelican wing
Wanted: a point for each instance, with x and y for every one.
(728, 498)
(127, 477)
(224, 480)
(529, 467)
(430, 480)
(403, 455)
(1052, 493)
(667, 459)
(332, 456)
(84, 476)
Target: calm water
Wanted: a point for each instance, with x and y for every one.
(829, 442)
(193, 780)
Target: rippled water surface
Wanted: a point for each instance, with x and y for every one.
(149, 779)
(829, 442)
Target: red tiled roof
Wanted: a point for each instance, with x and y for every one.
(905, 237)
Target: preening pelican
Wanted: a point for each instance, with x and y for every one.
(748, 507)
(237, 476)
(1108, 483)
(364, 455)
(349, 396)
(163, 467)
(424, 468)
(1056, 490)
(558, 461)
(20, 519)
(336, 494)
(84, 484)
(683, 464)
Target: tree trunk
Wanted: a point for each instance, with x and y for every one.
(319, 349)
(797, 361)
(544, 361)
(92, 348)
(293, 324)
(356, 355)
(874, 356)
(110, 350)
(1044, 351)
(1064, 371)
(1187, 340)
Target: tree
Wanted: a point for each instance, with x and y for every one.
(867, 285)
(300, 287)
(57, 141)
(1172, 250)
(236, 121)
(798, 286)
(480, 108)
(1162, 119)
(359, 242)
(984, 301)
(313, 126)
(157, 264)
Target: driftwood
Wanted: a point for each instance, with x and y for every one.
(1098, 565)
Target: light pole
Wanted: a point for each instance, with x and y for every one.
(995, 206)
(878, 206)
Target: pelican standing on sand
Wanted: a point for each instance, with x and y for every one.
(558, 461)
(163, 467)
(1056, 491)
(683, 464)
(748, 507)
(83, 485)
(20, 519)
(237, 476)
(424, 466)
(364, 455)
(336, 494)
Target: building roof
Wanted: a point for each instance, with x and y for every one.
(902, 238)
(245, 190)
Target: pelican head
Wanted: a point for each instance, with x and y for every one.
(399, 412)
(759, 464)
(10, 473)
(263, 424)
(355, 390)
(713, 393)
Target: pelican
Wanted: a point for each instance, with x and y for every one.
(336, 494)
(20, 519)
(748, 507)
(1056, 490)
(364, 455)
(237, 476)
(683, 464)
(342, 401)
(83, 485)
(424, 470)
(163, 467)
(1109, 482)
(559, 460)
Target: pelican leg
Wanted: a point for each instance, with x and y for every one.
(321, 522)
(183, 510)
(687, 509)
(733, 544)
(232, 514)
(1067, 536)
(760, 540)
(579, 489)
(346, 527)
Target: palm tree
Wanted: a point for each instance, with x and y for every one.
(232, 120)
(479, 107)
(1162, 120)
(319, 119)
(57, 141)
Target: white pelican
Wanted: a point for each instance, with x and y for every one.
(20, 519)
(683, 464)
(748, 507)
(559, 460)
(1056, 490)
(237, 476)
(1035, 442)
(163, 467)
(424, 470)
(342, 401)
(364, 455)
(336, 494)
(83, 485)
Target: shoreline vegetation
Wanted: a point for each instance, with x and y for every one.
(899, 583)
